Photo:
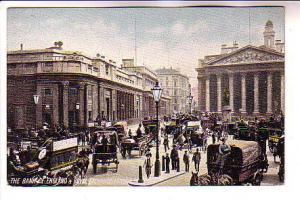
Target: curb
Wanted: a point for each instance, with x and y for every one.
(135, 183)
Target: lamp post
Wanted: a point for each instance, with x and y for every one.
(77, 106)
(156, 91)
(190, 100)
(36, 98)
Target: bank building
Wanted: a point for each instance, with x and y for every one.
(253, 76)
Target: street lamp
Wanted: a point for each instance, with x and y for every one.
(190, 99)
(36, 101)
(156, 91)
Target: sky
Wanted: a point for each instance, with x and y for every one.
(165, 37)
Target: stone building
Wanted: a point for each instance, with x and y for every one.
(252, 75)
(149, 78)
(73, 89)
(177, 86)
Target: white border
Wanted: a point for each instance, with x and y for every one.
(291, 186)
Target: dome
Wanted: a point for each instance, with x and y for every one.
(269, 23)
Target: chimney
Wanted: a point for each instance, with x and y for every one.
(21, 47)
(279, 46)
(128, 62)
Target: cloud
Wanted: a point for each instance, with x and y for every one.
(178, 28)
(183, 28)
(156, 30)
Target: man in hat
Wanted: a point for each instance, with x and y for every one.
(167, 163)
(196, 159)
(166, 143)
(186, 160)
(174, 157)
(224, 151)
(148, 164)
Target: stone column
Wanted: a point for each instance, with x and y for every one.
(269, 93)
(207, 98)
(256, 94)
(282, 92)
(231, 92)
(81, 102)
(219, 93)
(65, 105)
(243, 83)
(200, 93)
(39, 107)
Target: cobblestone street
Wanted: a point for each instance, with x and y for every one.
(128, 170)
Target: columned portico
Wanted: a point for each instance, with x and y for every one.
(256, 94)
(243, 91)
(282, 88)
(207, 97)
(269, 93)
(231, 91)
(65, 85)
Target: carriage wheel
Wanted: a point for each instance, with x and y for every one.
(257, 178)
(123, 152)
(117, 164)
(95, 167)
(281, 177)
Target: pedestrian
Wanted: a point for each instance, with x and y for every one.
(174, 157)
(213, 136)
(148, 165)
(196, 159)
(224, 151)
(130, 134)
(139, 132)
(167, 163)
(166, 143)
(186, 160)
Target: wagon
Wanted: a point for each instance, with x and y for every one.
(150, 126)
(274, 136)
(106, 154)
(245, 163)
(141, 144)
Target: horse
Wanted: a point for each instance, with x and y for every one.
(202, 180)
(83, 162)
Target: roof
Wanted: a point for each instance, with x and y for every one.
(167, 71)
(260, 48)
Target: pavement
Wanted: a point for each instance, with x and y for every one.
(156, 180)
(128, 171)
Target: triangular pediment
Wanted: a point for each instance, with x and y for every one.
(248, 54)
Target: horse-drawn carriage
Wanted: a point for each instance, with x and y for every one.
(274, 136)
(141, 144)
(105, 152)
(244, 132)
(54, 159)
(245, 163)
(150, 125)
(171, 126)
(121, 128)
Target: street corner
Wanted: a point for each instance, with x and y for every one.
(156, 180)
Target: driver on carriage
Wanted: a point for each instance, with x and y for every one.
(224, 151)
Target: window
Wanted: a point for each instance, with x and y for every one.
(47, 92)
(48, 64)
(90, 116)
(175, 83)
(175, 92)
(106, 69)
(90, 93)
(73, 91)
